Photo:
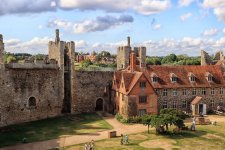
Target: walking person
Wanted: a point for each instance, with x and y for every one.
(126, 139)
(121, 140)
(85, 147)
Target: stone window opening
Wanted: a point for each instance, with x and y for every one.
(203, 91)
(184, 91)
(32, 102)
(184, 104)
(194, 91)
(142, 112)
(164, 92)
(212, 91)
(212, 103)
(174, 104)
(164, 104)
(221, 102)
(174, 92)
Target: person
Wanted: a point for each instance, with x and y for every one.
(92, 145)
(121, 140)
(85, 147)
(126, 139)
(201, 114)
(193, 124)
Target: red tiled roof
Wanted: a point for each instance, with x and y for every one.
(127, 79)
(182, 73)
(196, 100)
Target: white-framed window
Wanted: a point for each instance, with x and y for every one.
(184, 91)
(203, 91)
(192, 78)
(174, 92)
(184, 104)
(213, 91)
(164, 104)
(174, 79)
(164, 92)
(221, 102)
(221, 91)
(154, 79)
(194, 91)
(210, 78)
(174, 104)
(212, 103)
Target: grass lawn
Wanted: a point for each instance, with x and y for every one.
(207, 137)
(53, 128)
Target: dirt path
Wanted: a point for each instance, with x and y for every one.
(78, 139)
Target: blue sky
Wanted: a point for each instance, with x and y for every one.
(163, 26)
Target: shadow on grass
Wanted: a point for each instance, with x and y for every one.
(52, 128)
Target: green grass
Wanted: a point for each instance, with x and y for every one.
(206, 137)
(53, 128)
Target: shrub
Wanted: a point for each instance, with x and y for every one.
(118, 117)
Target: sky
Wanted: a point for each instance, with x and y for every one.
(163, 26)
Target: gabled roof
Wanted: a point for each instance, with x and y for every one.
(196, 100)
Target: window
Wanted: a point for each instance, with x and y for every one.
(154, 79)
(174, 92)
(184, 104)
(212, 91)
(210, 78)
(192, 78)
(142, 84)
(212, 103)
(221, 91)
(184, 91)
(142, 99)
(174, 79)
(221, 102)
(32, 102)
(203, 91)
(142, 112)
(174, 104)
(164, 104)
(194, 91)
(164, 92)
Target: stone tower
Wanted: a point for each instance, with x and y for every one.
(142, 56)
(123, 54)
(63, 53)
(205, 58)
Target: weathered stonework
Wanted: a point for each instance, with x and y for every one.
(90, 86)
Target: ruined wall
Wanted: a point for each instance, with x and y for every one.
(18, 85)
(88, 87)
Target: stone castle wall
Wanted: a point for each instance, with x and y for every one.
(17, 86)
(88, 87)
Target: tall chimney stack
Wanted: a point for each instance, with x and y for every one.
(132, 61)
(57, 39)
(128, 41)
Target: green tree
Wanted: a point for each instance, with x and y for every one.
(86, 63)
(10, 58)
(146, 120)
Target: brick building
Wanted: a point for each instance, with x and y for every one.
(140, 89)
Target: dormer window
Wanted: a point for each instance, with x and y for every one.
(191, 77)
(173, 77)
(209, 77)
(154, 78)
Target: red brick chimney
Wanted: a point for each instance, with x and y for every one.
(132, 61)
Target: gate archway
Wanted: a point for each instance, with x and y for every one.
(99, 105)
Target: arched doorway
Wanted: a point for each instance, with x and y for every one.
(99, 105)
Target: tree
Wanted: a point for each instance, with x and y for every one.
(146, 120)
(86, 63)
(10, 58)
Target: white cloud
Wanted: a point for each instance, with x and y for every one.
(224, 30)
(210, 32)
(218, 6)
(156, 26)
(26, 6)
(186, 16)
(58, 23)
(101, 23)
(145, 7)
(184, 3)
